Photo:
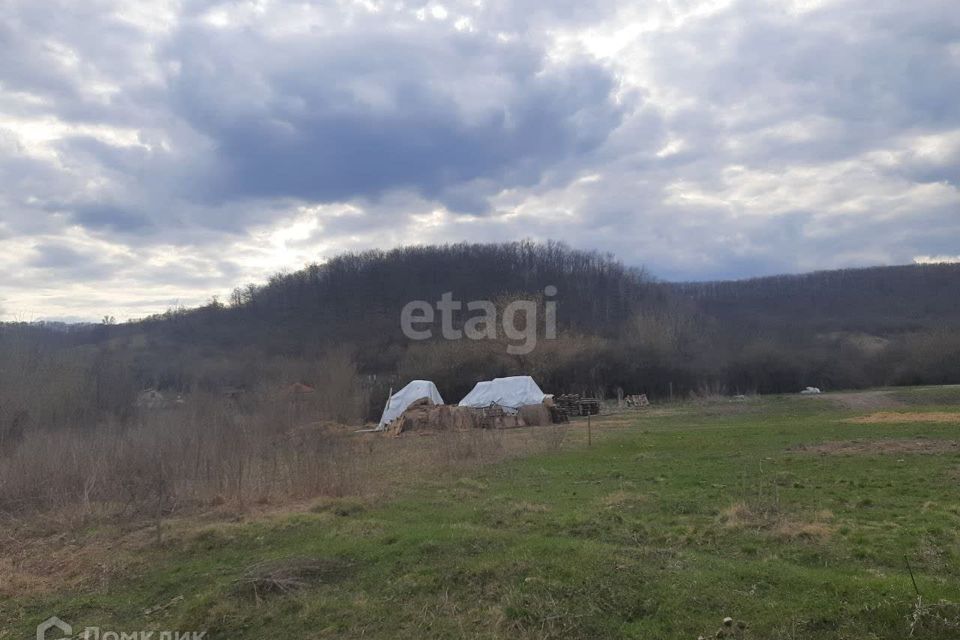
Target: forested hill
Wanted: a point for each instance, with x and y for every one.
(618, 328)
(358, 297)
(878, 300)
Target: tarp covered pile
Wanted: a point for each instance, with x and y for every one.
(398, 402)
(515, 401)
(509, 393)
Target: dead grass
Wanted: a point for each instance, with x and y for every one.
(937, 417)
(803, 531)
(74, 542)
(740, 515)
(623, 499)
(880, 447)
(771, 520)
(861, 400)
(38, 556)
(277, 577)
(524, 507)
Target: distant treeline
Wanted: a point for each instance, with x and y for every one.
(877, 300)
(618, 329)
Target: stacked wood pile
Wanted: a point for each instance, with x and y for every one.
(558, 415)
(575, 405)
(637, 401)
(494, 417)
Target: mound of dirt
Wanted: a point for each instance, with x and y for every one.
(904, 418)
(880, 447)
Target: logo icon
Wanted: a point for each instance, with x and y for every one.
(54, 623)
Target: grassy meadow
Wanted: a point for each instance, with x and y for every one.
(797, 517)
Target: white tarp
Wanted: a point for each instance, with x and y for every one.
(402, 399)
(510, 393)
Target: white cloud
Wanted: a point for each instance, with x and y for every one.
(937, 259)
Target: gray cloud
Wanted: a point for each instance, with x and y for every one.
(332, 118)
(67, 262)
(223, 141)
(105, 216)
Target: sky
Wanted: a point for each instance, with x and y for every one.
(156, 154)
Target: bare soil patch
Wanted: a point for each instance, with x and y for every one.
(880, 447)
(862, 400)
(900, 418)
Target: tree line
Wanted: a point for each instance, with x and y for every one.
(618, 329)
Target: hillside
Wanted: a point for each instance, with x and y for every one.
(878, 300)
(617, 328)
(358, 297)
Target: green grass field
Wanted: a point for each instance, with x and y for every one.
(672, 520)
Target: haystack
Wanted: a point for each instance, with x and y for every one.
(422, 415)
(535, 415)
(414, 394)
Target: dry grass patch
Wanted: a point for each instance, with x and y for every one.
(862, 400)
(82, 544)
(523, 507)
(44, 564)
(741, 515)
(623, 499)
(939, 417)
(277, 577)
(880, 447)
(803, 531)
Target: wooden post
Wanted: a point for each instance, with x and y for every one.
(589, 432)
(671, 392)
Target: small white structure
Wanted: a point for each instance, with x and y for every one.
(398, 402)
(509, 393)
(810, 391)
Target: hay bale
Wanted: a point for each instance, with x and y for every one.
(464, 418)
(432, 417)
(506, 421)
(445, 417)
(536, 415)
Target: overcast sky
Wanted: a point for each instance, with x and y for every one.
(158, 153)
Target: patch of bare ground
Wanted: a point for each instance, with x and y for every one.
(880, 447)
(907, 417)
(862, 400)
